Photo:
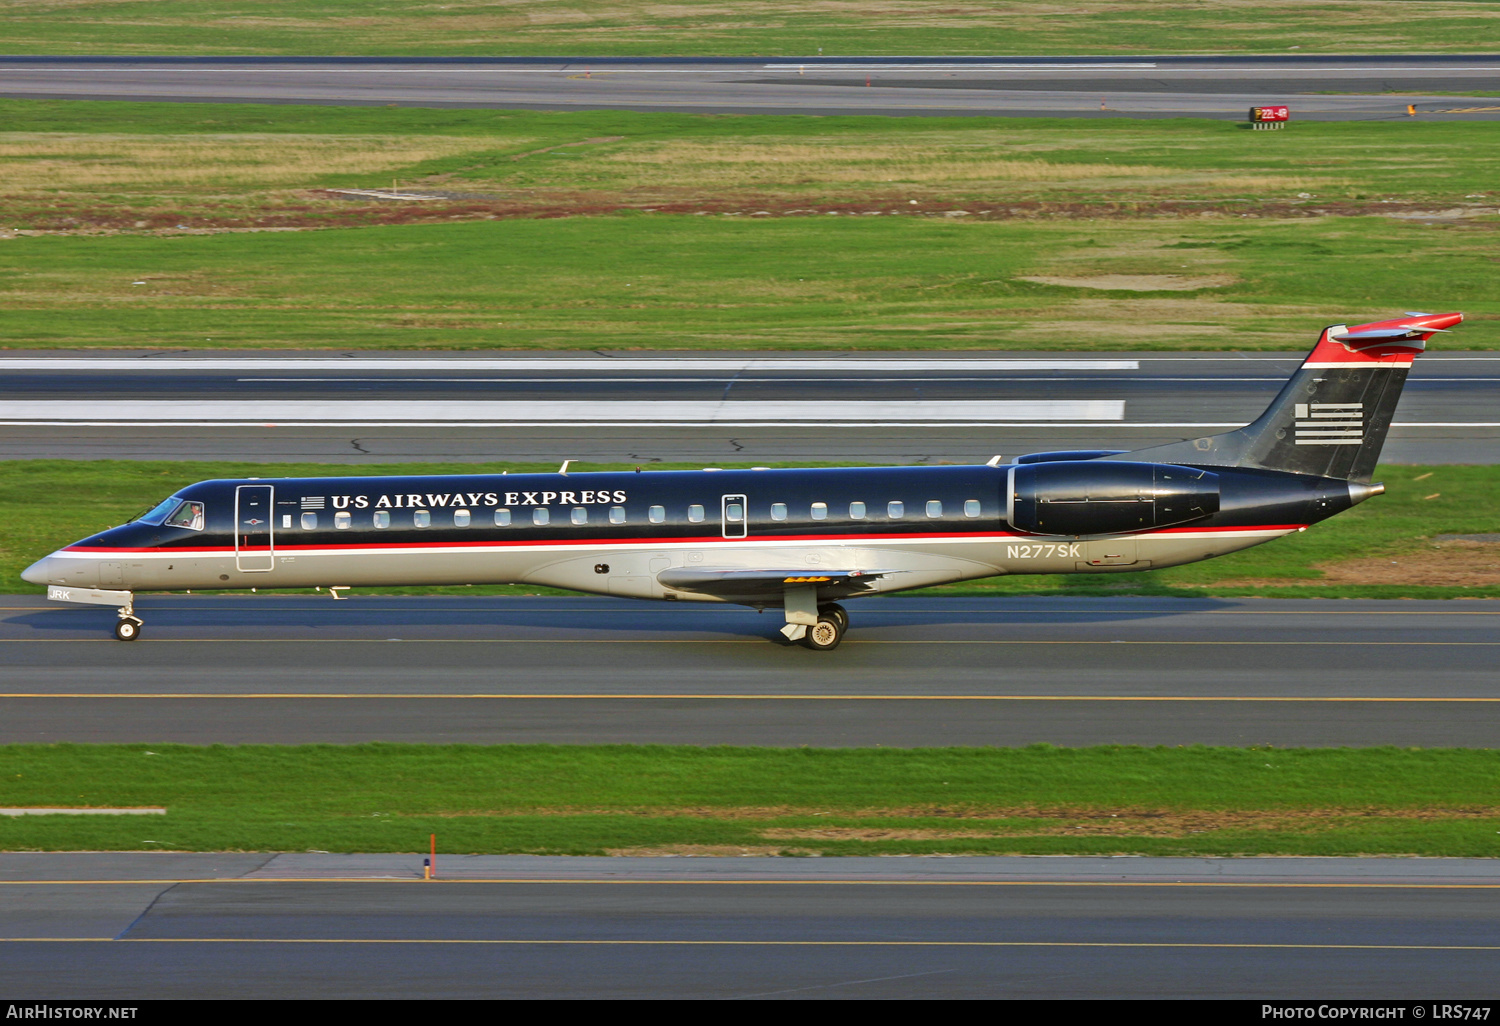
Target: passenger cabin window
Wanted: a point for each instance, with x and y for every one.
(695, 514)
(422, 518)
(382, 518)
(617, 514)
(971, 507)
(734, 512)
(856, 511)
(934, 508)
(657, 514)
(540, 516)
(580, 515)
(309, 521)
(502, 518)
(778, 511)
(461, 518)
(189, 515)
(341, 521)
(895, 510)
(820, 511)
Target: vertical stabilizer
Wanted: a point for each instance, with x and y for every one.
(1332, 416)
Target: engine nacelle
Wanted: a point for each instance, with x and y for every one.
(1106, 497)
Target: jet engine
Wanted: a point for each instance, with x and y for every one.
(1107, 497)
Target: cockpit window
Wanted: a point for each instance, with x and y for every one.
(156, 514)
(188, 515)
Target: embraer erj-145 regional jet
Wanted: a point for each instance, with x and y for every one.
(795, 540)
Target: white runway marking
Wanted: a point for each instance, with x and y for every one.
(728, 366)
(567, 412)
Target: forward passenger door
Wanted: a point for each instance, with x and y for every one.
(254, 544)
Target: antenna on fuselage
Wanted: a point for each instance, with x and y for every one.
(563, 470)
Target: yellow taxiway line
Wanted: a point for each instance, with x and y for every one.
(617, 881)
(368, 695)
(587, 942)
(754, 641)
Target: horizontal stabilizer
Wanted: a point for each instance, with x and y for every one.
(1379, 333)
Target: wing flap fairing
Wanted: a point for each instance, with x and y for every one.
(769, 584)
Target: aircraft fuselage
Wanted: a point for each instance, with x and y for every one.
(619, 533)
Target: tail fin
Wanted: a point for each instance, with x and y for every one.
(1331, 418)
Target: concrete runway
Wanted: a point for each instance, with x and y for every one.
(913, 672)
(710, 407)
(141, 926)
(1215, 87)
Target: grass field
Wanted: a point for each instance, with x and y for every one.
(579, 800)
(1384, 548)
(100, 164)
(682, 283)
(160, 225)
(763, 27)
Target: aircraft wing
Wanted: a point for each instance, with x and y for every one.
(739, 585)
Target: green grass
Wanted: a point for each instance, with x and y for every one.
(86, 163)
(766, 27)
(678, 282)
(583, 800)
(685, 231)
(1383, 548)
(823, 157)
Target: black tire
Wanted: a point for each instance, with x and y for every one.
(838, 612)
(823, 636)
(128, 630)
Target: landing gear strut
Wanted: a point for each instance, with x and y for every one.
(128, 628)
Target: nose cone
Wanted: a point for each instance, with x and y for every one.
(38, 572)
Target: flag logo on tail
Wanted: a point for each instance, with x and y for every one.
(1330, 423)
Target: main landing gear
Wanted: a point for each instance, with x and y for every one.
(817, 626)
(825, 635)
(128, 628)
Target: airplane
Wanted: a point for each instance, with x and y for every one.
(798, 540)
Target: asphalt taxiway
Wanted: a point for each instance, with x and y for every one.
(895, 408)
(912, 672)
(123, 926)
(1319, 87)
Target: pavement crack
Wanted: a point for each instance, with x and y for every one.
(146, 911)
(359, 448)
(737, 446)
(844, 983)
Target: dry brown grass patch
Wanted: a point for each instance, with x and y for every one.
(1136, 282)
(703, 850)
(1453, 564)
(48, 162)
(1065, 823)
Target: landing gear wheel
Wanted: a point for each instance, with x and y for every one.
(835, 611)
(824, 636)
(128, 629)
